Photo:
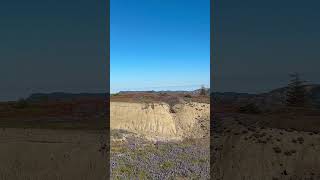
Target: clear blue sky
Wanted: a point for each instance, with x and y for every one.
(159, 44)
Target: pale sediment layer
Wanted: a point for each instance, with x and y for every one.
(159, 120)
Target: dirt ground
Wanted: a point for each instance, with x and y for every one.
(38, 154)
(247, 147)
(137, 158)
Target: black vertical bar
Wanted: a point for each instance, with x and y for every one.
(108, 86)
(211, 85)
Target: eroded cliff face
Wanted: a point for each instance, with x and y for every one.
(160, 121)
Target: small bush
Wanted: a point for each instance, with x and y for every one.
(21, 104)
(203, 91)
(296, 93)
(250, 108)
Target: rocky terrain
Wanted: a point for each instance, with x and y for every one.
(244, 146)
(136, 158)
(159, 120)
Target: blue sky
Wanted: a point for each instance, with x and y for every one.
(159, 44)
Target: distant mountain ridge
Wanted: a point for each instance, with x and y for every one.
(197, 91)
(271, 98)
(62, 96)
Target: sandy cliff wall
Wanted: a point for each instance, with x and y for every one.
(158, 120)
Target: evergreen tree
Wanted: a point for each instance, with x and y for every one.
(203, 91)
(21, 103)
(296, 93)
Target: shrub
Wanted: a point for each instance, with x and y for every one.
(296, 93)
(203, 91)
(21, 103)
(250, 108)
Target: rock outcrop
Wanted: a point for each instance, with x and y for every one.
(160, 120)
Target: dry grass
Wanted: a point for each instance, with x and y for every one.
(86, 114)
(168, 98)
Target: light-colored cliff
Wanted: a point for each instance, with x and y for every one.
(159, 120)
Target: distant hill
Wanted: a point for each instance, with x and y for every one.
(272, 98)
(197, 91)
(268, 99)
(61, 96)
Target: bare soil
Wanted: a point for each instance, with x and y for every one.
(36, 154)
(282, 145)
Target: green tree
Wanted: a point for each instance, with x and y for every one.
(203, 91)
(296, 93)
(22, 103)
